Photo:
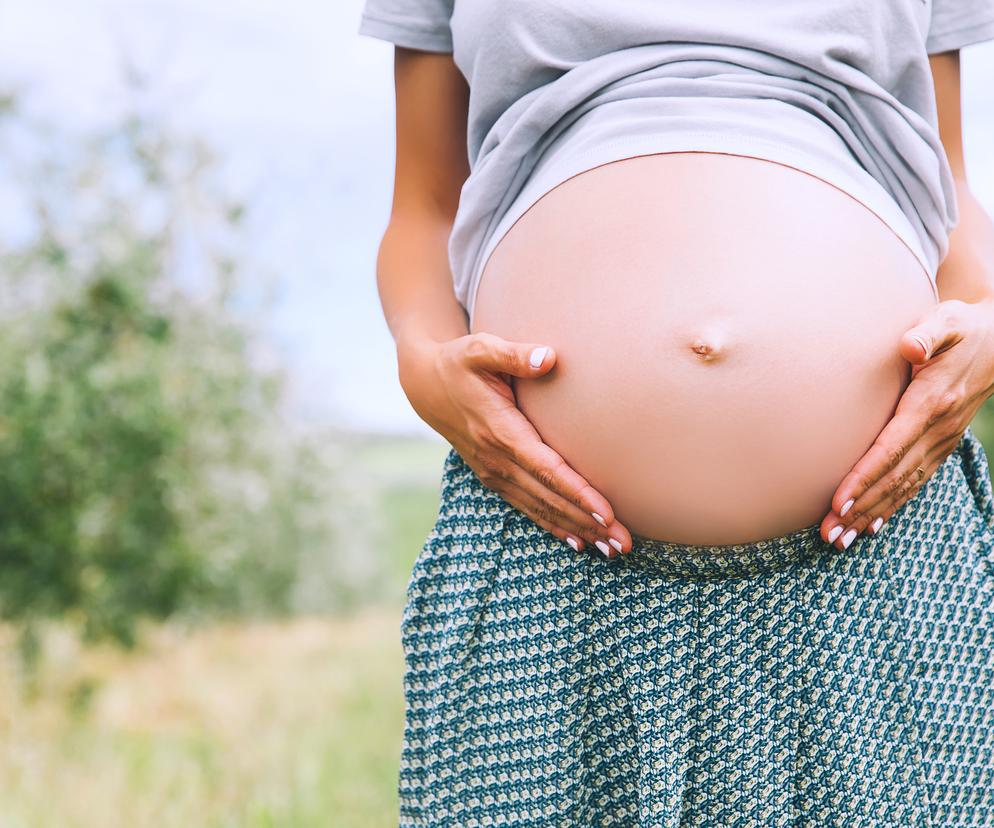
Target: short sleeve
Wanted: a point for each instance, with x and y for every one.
(958, 23)
(415, 24)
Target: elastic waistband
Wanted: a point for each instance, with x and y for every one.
(703, 561)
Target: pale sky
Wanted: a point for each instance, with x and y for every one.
(301, 107)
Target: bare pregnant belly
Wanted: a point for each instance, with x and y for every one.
(727, 336)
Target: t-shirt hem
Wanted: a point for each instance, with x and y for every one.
(960, 37)
(409, 33)
(853, 181)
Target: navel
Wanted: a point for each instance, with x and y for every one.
(709, 347)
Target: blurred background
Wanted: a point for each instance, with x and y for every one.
(212, 487)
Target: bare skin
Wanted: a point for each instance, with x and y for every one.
(460, 383)
(719, 369)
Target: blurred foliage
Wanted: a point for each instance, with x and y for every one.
(146, 465)
(293, 723)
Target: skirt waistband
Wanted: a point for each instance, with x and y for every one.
(704, 561)
(966, 466)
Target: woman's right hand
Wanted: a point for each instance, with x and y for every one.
(462, 389)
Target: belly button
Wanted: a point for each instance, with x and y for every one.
(707, 351)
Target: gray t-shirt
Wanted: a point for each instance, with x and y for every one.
(842, 89)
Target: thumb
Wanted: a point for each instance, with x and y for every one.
(519, 359)
(922, 342)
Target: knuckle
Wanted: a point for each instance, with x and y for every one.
(544, 476)
(948, 402)
(475, 347)
(892, 484)
(499, 437)
(953, 311)
(546, 512)
(507, 359)
(547, 474)
(575, 495)
(909, 487)
(895, 453)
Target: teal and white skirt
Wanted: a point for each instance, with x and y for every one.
(776, 683)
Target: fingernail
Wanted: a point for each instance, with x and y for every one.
(538, 357)
(834, 533)
(572, 542)
(875, 526)
(921, 342)
(847, 538)
(615, 543)
(603, 547)
(598, 518)
(846, 507)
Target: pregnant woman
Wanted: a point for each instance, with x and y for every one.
(701, 299)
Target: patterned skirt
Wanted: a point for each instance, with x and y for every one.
(775, 683)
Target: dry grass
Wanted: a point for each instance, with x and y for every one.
(264, 724)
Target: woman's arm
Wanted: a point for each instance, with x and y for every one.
(458, 382)
(967, 272)
(413, 275)
(951, 352)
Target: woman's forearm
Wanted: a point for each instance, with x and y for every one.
(967, 272)
(415, 282)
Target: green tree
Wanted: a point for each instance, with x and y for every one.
(146, 468)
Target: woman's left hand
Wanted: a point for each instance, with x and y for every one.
(952, 374)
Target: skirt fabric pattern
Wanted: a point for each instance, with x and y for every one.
(775, 683)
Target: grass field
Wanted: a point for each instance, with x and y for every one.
(256, 724)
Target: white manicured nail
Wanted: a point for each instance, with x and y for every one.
(572, 542)
(538, 357)
(603, 547)
(834, 533)
(846, 507)
(921, 342)
(877, 524)
(598, 518)
(847, 538)
(615, 543)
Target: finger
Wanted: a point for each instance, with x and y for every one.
(486, 351)
(892, 445)
(913, 476)
(856, 525)
(911, 484)
(516, 436)
(543, 509)
(541, 514)
(568, 513)
(942, 328)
